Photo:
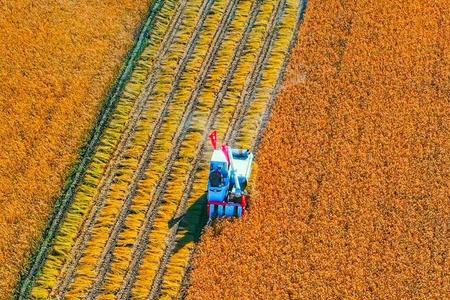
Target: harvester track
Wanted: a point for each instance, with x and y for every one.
(143, 163)
(243, 103)
(67, 272)
(151, 213)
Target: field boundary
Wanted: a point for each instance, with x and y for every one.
(86, 152)
(255, 75)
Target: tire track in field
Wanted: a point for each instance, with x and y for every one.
(69, 268)
(244, 103)
(267, 113)
(142, 241)
(144, 161)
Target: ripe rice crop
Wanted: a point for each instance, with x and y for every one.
(57, 61)
(351, 198)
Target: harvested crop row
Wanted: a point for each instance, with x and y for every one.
(96, 169)
(352, 186)
(145, 135)
(134, 219)
(185, 237)
(265, 89)
(157, 158)
(229, 96)
(93, 248)
(125, 185)
(247, 131)
(248, 66)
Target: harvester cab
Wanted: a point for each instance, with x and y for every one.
(230, 171)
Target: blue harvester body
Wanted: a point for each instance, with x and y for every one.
(230, 171)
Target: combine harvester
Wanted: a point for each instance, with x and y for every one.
(229, 173)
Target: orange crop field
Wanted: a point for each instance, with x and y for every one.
(129, 127)
(121, 217)
(352, 198)
(58, 60)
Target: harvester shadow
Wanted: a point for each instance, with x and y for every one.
(191, 223)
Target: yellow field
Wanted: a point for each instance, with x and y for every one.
(58, 60)
(351, 197)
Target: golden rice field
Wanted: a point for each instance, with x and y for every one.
(58, 61)
(352, 198)
(131, 224)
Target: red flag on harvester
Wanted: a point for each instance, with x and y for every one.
(243, 203)
(213, 138)
(227, 154)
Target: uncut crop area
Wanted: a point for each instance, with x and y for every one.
(130, 226)
(58, 59)
(352, 197)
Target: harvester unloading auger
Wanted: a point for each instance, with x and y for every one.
(230, 171)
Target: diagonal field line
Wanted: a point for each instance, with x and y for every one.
(254, 77)
(267, 113)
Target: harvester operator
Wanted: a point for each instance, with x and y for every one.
(216, 178)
